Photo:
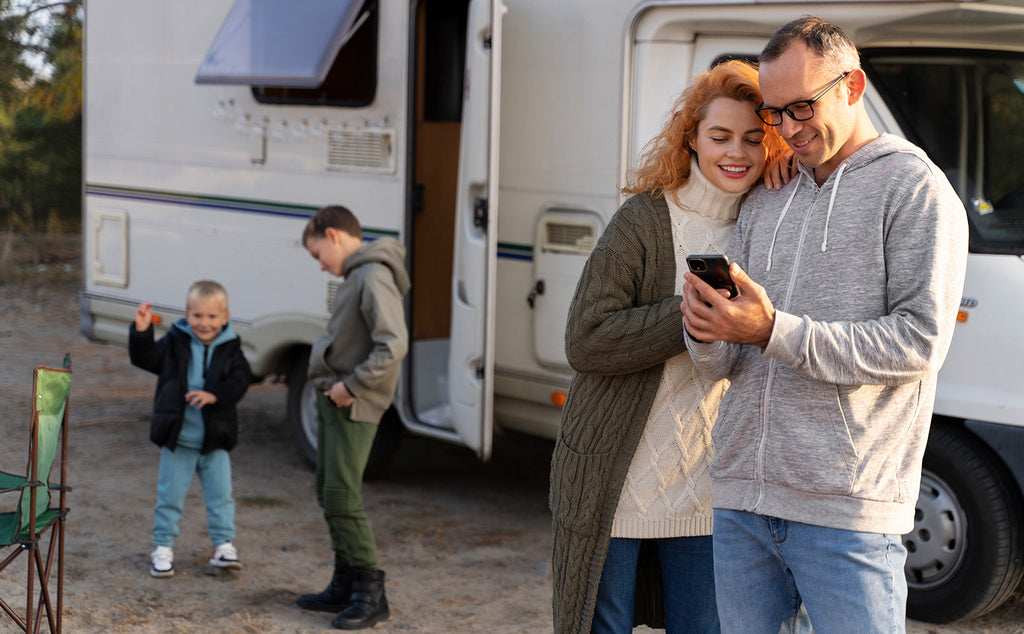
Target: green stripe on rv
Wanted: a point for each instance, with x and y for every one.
(216, 202)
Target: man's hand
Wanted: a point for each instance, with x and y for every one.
(339, 395)
(200, 398)
(709, 316)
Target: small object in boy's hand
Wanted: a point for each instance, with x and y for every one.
(156, 319)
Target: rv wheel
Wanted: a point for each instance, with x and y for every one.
(964, 556)
(303, 418)
(302, 409)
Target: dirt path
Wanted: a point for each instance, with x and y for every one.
(466, 546)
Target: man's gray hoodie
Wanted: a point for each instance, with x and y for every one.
(366, 336)
(828, 425)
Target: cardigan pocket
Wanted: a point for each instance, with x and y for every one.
(576, 486)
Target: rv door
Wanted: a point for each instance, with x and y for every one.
(471, 360)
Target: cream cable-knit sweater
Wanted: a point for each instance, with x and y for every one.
(667, 492)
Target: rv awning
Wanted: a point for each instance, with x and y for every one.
(279, 44)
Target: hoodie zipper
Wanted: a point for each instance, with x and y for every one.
(762, 447)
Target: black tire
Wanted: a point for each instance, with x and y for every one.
(302, 409)
(964, 556)
(385, 446)
(303, 419)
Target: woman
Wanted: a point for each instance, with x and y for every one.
(630, 491)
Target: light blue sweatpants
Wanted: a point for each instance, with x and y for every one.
(176, 470)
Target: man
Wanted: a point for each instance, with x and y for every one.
(833, 353)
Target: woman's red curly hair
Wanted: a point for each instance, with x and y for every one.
(664, 164)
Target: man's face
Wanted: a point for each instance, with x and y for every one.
(799, 74)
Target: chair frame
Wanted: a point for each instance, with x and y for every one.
(31, 542)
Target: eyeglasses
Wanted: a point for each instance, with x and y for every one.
(798, 110)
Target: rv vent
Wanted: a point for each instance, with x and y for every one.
(569, 237)
(368, 150)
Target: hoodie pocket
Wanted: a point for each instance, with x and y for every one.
(736, 434)
(809, 446)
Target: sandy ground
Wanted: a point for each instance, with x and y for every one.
(466, 546)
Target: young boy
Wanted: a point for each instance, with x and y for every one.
(354, 369)
(202, 376)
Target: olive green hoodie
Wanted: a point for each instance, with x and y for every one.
(367, 337)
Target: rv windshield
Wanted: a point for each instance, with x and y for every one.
(966, 109)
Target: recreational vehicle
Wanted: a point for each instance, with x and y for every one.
(491, 138)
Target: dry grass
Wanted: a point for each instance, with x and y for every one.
(40, 258)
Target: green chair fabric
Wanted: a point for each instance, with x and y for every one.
(48, 429)
(52, 389)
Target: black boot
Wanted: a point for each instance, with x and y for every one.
(336, 597)
(368, 605)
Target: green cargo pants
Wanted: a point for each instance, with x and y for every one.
(343, 447)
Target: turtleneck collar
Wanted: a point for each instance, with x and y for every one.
(701, 196)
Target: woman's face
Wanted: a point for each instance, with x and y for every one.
(730, 145)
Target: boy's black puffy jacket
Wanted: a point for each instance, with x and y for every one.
(227, 377)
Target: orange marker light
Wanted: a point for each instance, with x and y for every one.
(157, 319)
(961, 316)
(558, 398)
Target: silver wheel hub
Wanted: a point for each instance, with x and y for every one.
(938, 543)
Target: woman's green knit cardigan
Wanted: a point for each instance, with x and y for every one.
(623, 324)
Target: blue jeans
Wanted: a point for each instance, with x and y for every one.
(688, 576)
(176, 470)
(848, 581)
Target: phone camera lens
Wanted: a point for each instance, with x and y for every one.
(699, 265)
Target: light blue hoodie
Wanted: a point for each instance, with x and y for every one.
(193, 429)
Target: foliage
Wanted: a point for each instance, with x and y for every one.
(40, 115)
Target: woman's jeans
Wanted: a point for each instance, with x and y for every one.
(848, 581)
(343, 447)
(687, 573)
(176, 470)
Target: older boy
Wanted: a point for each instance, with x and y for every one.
(354, 368)
(203, 374)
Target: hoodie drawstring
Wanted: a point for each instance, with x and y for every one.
(831, 201)
(771, 248)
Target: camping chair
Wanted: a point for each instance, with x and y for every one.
(34, 512)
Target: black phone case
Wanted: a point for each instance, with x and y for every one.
(713, 269)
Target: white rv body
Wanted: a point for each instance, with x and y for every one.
(501, 196)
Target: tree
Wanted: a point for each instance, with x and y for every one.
(40, 114)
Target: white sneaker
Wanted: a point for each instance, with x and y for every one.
(225, 556)
(161, 562)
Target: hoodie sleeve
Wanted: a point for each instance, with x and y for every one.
(925, 254)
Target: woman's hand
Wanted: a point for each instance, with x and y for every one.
(777, 174)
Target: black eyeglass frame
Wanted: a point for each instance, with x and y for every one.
(808, 102)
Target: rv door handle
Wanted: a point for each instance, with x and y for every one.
(538, 289)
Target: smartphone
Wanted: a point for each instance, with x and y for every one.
(713, 269)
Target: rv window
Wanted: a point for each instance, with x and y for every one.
(966, 109)
(324, 52)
